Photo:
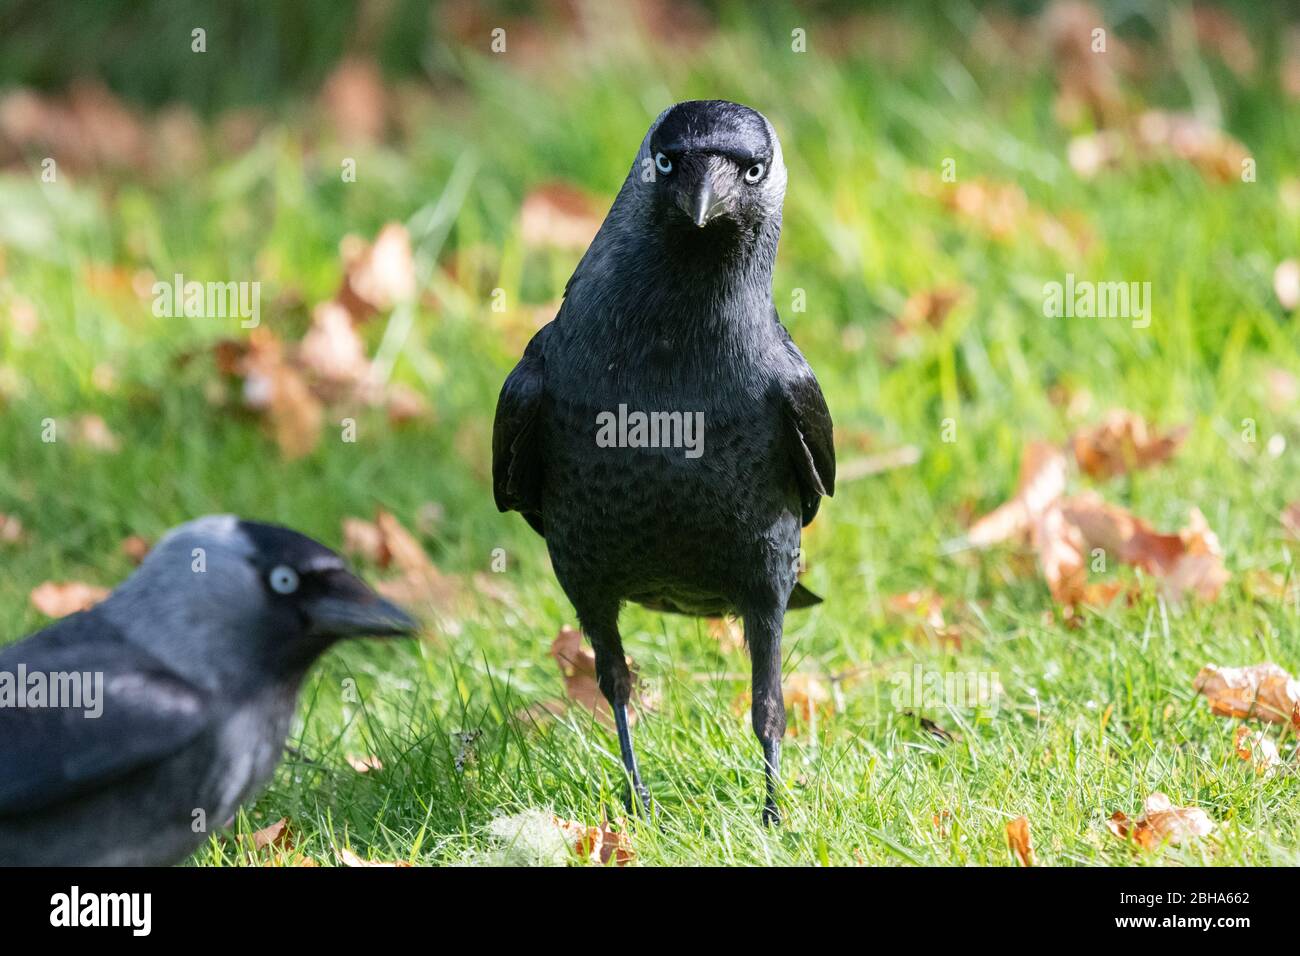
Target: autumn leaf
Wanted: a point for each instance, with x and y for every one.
(597, 844)
(277, 389)
(355, 101)
(377, 276)
(349, 858)
(728, 632)
(559, 215)
(1043, 473)
(277, 834)
(1286, 284)
(91, 431)
(1123, 442)
(577, 664)
(333, 354)
(364, 764)
(1261, 690)
(1020, 841)
(135, 548)
(1291, 519)
(923, 609)
(11, 530)
(1161, 823)
(1258, 748)
(55, 599)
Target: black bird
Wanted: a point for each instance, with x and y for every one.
(670, 313)
(201, 651)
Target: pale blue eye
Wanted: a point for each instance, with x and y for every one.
(284, 580)
(663, 163)
(755, 173)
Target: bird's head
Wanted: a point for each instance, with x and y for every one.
(219, 594)
(712, 167)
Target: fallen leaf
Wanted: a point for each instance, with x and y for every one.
(1260, 690)
(728, 632)
(11, 530)
(333, 354)
(577, 664)
(1286, 284)
(349, 858)
(379, 275)
(1291, 519)
(1043, 472)
(805, 694)
(277, 389)
(560, 216)
(597, 844)
(134, 547)
(91, 431)
(1022, 844)
(1258, 748)
(363, 540)
(277, 834)
(924, 609)
(59, 599)
(928, 308)
(1160, 823)
(355, 101)
(364, 764)
(1123, 442)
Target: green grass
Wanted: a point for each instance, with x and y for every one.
(1094, 718)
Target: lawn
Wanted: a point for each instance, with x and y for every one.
(1097, 709)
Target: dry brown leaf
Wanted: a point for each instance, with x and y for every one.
(364, 764)
(349, 858)
(1260, 690)
(377, 276)
(728, 632)
(91, 431)
(277, 834)
(332, 352)
(11, 530)
(1160, 823)
(1061, 548)
(928, 308)
(925, 610)
(1123, 442)
(1256, 747)
(559, 215)
(134, 547)
(805, 694)
(1020, 840)
(577, 664)
(405, 404)
(1291, 519)
(59, 599)
(1043, 472)
(278, 390)
(597, 844)
(1286, 284)
(1283, 389)
(363, 539)
(1189, 562)
(355, 101)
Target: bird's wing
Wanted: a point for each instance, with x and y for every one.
(50, 753)
(516, 457)
(808, 429)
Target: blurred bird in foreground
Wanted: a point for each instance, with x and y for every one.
(189, 674)
(663, 433)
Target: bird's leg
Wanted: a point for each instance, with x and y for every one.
(615, 681)
(763, 635)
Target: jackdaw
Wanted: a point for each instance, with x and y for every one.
(664, 434)
(201, 651)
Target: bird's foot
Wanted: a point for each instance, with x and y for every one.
(771, 814)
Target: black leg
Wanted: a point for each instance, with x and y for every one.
(615, 681)
(763, 635)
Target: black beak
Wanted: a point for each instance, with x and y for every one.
(350, 609)
(708, 197)
(702, 202)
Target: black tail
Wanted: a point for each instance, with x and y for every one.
(801, 597)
